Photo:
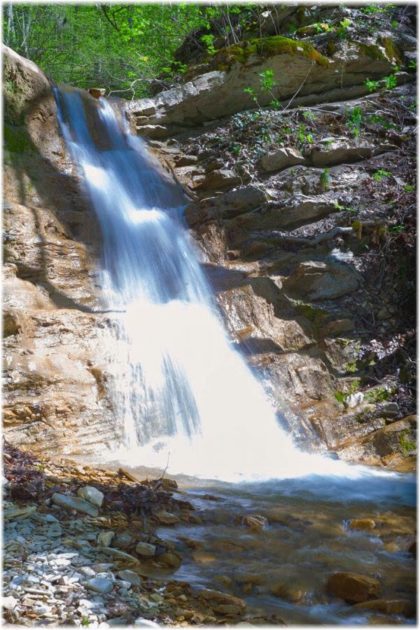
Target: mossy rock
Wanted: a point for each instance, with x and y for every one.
(392, 52)
(263, 48)
(16, 139)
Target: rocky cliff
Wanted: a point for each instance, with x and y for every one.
(299, 158)
(299, 155)
(52, 323)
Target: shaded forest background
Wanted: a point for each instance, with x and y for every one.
(123, 47)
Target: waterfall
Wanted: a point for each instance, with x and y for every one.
(184, 395)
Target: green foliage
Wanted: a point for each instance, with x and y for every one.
(343, 28)
(122, 47)
(390, 82)
(380, 174)
(354, 118)
(303, 136)
(251, 92)
(325, 179)
(372, 9)
(397, 229)
(267, 81)
(407, 445)
(377, 395)
(409, 188)
(372, 86)
(208, 40)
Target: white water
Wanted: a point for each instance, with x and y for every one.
(185, 397)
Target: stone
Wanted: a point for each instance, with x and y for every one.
(166, 518)
(354, 400)
(130, 576)
(74, 503)
(339, 153)
(362, 523)
(322, 281)
(105, 538)
(389, 606)
(152, 131)
(97, 92)
(218, 179)
(255, 522)
(9, 603)
(123, 540)
(288, 592)
(170, 559)
(223, 603)
(227, 205)
(353, 587)
(91, 494)
(281, 159)
(100, 585)
(145, 550)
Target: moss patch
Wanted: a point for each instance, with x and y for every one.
(264, 48)
(16, 139)
(392, 51)
(372, 51)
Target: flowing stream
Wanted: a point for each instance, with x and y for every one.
(185, 398)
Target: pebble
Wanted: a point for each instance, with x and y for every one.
(130, 576)
(100, 585)
(91, 494)
(166, 518)
(145, 549)
(9, 602)
(105, 538)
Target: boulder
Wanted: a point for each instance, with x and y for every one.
(353, 587)
(145, 550)
(74, 503)
(227, 205)
(316, 280)
(281, 159)
(340, 153)
(222, 602)
(91, 494)
(220, 91)
(24, 86)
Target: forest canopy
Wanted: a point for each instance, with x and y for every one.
(122, 47)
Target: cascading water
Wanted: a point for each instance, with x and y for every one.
(186, 397)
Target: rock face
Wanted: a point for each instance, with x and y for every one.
(291, 208)
(220, 91)
(302, 214)
(54, 393)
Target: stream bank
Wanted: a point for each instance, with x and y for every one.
(117, 551)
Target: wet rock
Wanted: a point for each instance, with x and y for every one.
(97, 92)
(145, 550)
(105, 538)
(362, 523)
(130, 576)
(281, 159)
(255, 522)
(353, 587)
(152, 131)
(222, 602)
(166, 518)
(91, 494)
(389, 606)
(288, 592)
(123, 540)
(100, 585)
(322, 281)
(170, 559)
(74, 503)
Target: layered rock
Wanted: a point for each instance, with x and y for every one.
(55, 397)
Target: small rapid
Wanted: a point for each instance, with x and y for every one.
(186, 399)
